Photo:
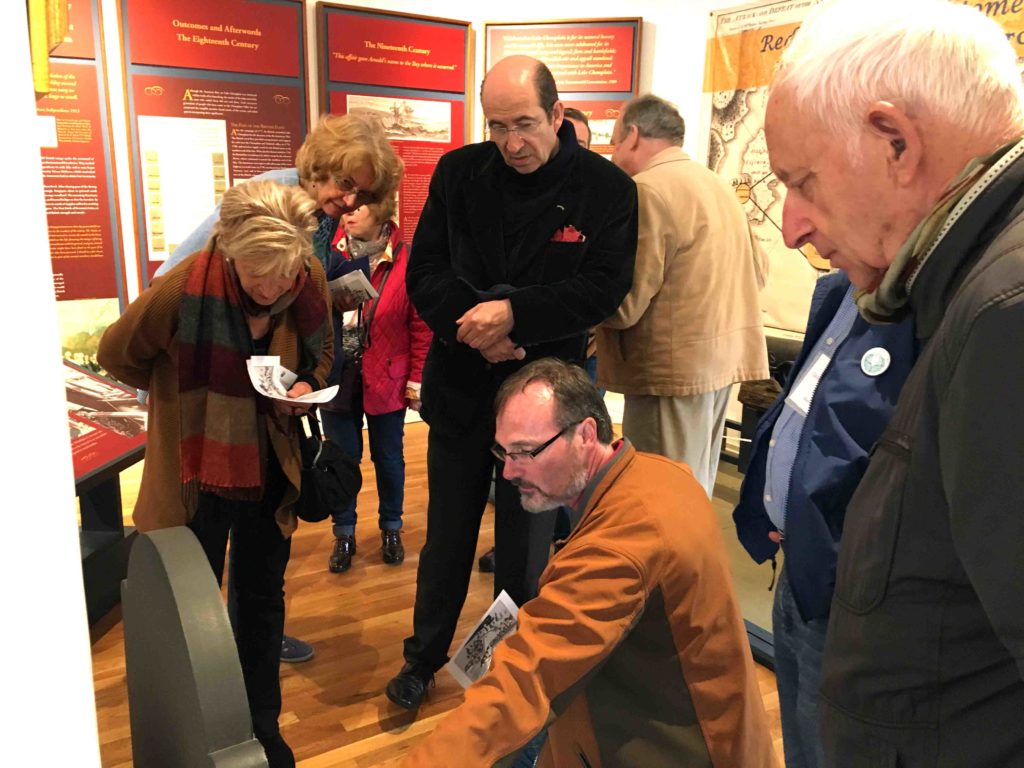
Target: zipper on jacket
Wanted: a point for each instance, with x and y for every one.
(896, 443)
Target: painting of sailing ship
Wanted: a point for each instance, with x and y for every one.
(407, 119)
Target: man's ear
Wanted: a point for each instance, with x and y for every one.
(903, 147)
(557, 114)
(588, 430)
(628, 136)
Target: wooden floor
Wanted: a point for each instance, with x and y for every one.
(335, 712)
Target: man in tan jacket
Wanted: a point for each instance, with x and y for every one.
(690, 327)
(634, 653)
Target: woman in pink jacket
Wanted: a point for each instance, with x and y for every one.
(392, 342)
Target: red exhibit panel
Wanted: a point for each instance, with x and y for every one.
(584, 57)
(420, 130)
(601, 115)
(198, 137)
(399, 53)
(79, 41)
(75, 182)
(229, 35)
(105, 420)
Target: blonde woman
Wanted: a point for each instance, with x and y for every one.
(220, 458)
(345, 161)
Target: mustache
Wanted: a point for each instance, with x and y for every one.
(519, 483)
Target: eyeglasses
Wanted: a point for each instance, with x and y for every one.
(499, 133)
(348, 187)
(502, 455)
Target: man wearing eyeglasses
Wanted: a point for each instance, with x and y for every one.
(526, 241)
(633, 653)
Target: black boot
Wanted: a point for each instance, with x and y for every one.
(391, 547)
(341, 558)
(408, 688)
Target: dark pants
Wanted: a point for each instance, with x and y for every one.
(458, 478)
(590, 366)
(259, 556)
(387, 434)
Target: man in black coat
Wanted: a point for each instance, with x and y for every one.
(898, 130)
(526, 241)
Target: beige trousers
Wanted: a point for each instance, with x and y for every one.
(687, 429)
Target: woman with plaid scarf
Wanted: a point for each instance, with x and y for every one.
(220, 458)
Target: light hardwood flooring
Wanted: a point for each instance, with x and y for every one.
(335, 712)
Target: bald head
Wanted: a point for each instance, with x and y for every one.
(522, 72)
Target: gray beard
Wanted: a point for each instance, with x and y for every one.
(544, 503)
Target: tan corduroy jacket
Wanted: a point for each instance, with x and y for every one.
(141, 350)
(691, 323)
(633, 654)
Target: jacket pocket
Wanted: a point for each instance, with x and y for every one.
(398, 367)
(562, 260)
(872, 526)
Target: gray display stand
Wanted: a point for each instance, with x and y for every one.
(186, 695)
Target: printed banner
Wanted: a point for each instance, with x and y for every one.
(229, 35)
(744, 48)
(408, 72)
(76, 184)
(584, 56)
(420, 130)
(601, 117)
(197, 137)
(373, 49)
(194, 137)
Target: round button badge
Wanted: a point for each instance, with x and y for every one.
(875, 361)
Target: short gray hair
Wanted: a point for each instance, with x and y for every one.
(654, 118)
(925, 56)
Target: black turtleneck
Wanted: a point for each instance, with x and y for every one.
(525, 196)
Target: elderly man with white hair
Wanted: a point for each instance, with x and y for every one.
(897, 129)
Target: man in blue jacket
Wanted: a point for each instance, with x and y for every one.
(809, 452)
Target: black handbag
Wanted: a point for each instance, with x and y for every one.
(330, 477)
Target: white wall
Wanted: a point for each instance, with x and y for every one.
(50, 712)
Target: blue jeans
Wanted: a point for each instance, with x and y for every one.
(528, 755)
(798, 651)
(387, 434)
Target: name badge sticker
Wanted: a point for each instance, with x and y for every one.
(801, 395)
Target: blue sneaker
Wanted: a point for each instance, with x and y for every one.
(295, 651)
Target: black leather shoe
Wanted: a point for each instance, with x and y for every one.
(391, 548)
(408, 688)
(341, 557)
(486, 561)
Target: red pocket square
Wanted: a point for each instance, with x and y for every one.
(568, 234)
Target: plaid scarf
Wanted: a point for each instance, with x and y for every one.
(222, 421)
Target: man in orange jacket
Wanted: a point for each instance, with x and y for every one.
(634, 652)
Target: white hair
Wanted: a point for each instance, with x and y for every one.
(931, 57)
